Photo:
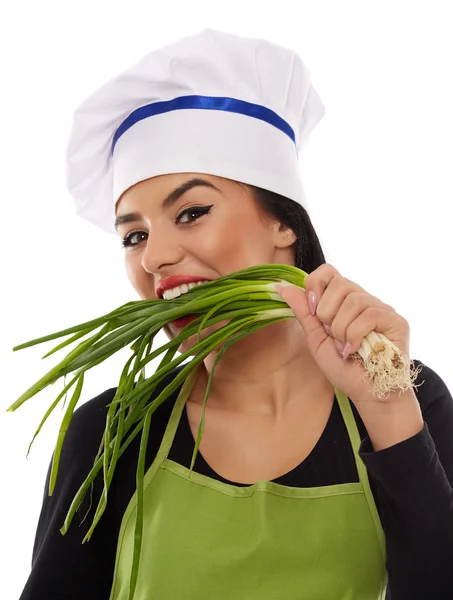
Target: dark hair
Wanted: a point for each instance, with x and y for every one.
(309, 254)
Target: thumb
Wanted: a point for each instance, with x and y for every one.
(297, 300)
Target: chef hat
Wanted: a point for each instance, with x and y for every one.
(210, 103)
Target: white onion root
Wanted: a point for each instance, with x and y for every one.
(386, 364)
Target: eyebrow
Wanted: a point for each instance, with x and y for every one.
(168, 201)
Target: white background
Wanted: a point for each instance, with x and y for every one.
(378, 174)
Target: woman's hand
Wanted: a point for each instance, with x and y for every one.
(342, 314)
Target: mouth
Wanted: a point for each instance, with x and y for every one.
(180, 290)
(177, 285)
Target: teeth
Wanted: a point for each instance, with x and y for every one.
(167, 295)
(181, 289)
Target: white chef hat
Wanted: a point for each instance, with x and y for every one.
(210, 103)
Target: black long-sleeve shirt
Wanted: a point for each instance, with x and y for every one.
(412, 484)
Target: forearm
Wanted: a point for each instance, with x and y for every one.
(390, 421)
(416, 502)
(408, 454)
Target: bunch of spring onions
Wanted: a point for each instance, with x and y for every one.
(247, 299)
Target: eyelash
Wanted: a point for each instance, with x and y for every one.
(198, 210)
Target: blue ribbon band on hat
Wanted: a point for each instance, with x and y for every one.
(206, 103)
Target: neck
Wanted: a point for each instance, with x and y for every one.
(265, 372)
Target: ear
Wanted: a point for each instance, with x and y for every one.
(284, 236)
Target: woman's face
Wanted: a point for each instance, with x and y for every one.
(196, 225)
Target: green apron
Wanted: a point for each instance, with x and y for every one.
(205, 539)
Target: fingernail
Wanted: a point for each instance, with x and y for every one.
(328, 328)
(346, 351)
(312, 302)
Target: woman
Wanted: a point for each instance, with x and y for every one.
(305, 486)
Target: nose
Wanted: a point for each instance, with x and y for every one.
(162, 249)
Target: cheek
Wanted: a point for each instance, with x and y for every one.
(238, 240)
(132, 272)
(141, 281)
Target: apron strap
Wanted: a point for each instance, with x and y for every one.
(354, 436)
(175, 417)
(349, 421)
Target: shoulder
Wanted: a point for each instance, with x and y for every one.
(92, 413)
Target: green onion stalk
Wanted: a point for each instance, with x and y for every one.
(246, 299)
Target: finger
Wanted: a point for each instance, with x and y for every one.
(378, 319)
(330, 289)
(324, 273)
(351, 307)
(318, 281)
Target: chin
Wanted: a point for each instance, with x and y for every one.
(188, 343)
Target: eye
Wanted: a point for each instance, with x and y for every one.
(127, 240)
(193, 214)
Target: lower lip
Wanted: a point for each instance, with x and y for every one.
(183, 321)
